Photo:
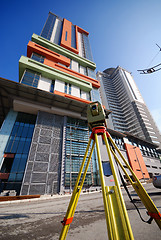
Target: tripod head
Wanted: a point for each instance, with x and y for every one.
(96, 115)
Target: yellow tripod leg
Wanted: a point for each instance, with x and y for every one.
(118, 217)
(76, 193)
(109, 227)
(140, 190)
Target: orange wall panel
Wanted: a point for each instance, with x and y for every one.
(81, 30)
(66, 36)
(9, 155)
(71, 97)
(94, 82)
(66, 33)
(136, 161)
(4, 176)
(56, 57)
(52, 59)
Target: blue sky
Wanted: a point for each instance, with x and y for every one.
(122, 32)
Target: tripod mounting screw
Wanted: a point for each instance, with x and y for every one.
(111, 191)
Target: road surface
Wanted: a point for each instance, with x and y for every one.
(40, 219)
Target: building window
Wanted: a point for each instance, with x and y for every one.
(85, 95)
(148, 166)
(37, 57)
(91, 73)
(52, 87)
(145, 149)
(118, 141)
(73, 38)
(77, 135)
(48, 27)
(30, 78)
(95, 95)
(19, 145)
(66, 35)
(67, 88)
(82, 70)
(154, 167)
(87, 48)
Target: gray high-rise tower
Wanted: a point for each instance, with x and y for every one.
(129, 111)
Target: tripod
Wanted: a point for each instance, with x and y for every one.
(117, 220)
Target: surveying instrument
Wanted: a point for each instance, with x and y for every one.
(117, 220)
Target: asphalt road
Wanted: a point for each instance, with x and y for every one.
(40, 219)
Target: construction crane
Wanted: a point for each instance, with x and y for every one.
(154, 68)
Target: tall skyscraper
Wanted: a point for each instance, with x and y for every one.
(129, 111)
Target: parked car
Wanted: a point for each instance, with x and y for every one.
(157, 181)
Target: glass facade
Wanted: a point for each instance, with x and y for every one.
(38, 57)
(30, 78)
(118, 141)
(77, 136)
(73, 38)
(95, 95)
(48, 28)
(58, 33)
(52, 87)
(87, 48)
(146, 150)
(91, 73)
(67, 88)
(19, 145)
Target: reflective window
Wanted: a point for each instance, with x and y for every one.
(77, 136)
(67, 88)
(30, 78)
(91, 73)
(19, 144)
(95, 95)
(38, 57)
(73, 38)
(88, 53)
(66, 35)
(48, 27)
(52, 87)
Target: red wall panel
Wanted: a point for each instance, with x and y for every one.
(66, 36)
(136, 161)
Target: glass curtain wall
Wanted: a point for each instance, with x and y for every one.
(48, 28)
(73, 38)
(77, 136)
(19, 145)
(87, 47)
(30, 78)
(38, 57)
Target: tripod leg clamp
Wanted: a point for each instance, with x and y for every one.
(155, 215)
(67, 221)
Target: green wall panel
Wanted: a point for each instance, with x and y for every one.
(56, 48)
(51, 73)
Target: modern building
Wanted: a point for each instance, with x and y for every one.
(45, 134)
(143, 157)
(44, 130)
(130, 114)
